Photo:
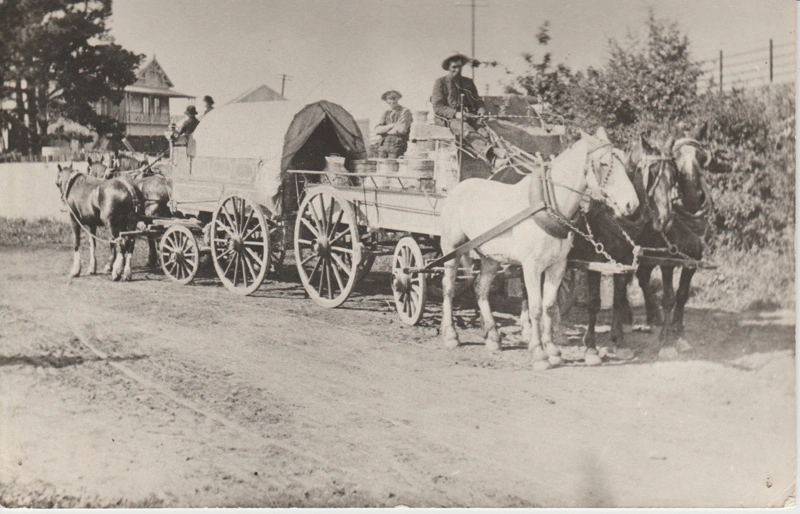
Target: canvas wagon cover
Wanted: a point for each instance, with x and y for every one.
(272, 133)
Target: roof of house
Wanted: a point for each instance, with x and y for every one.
(262, 93)
(152, 79)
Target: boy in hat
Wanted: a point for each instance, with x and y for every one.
(446, 99)
(393, 128)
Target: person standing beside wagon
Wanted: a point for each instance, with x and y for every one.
(393, 128)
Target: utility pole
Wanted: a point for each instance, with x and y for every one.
(472, 5)
(284, 77)
(770, 61)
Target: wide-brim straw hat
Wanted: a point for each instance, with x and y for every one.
(458, 56)
(390, 92)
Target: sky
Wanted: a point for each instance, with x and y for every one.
(351, 51)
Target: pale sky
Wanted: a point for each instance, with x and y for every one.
(351, 51)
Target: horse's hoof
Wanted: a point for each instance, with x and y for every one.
(683, 346)
(115, 277)
(74, 273)
(552, 350)
(668, 353)
(554, 360)
(624, 354)
(493, 341)
(127, 276)
(450, 338)
(538, 353)
(108, 269)
(591, 357)
(541, 365)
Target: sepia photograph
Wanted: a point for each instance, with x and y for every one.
(398, 253)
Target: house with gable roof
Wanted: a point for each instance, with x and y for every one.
(145, 108)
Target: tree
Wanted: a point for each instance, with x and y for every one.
(542, 79)
(60, 60)
(645, 85)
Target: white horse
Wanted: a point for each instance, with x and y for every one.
(475, 206)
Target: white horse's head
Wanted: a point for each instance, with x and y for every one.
(606, 174)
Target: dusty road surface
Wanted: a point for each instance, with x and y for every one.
(152, 394)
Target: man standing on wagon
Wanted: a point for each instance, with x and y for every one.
(393, 128)
(446, 100)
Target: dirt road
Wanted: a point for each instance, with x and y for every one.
(152, 394)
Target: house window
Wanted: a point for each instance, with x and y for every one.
(157, 105)
(146, 104)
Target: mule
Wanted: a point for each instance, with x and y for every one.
(475, 206)
(692, 204)
(653, 174)
(94, 202)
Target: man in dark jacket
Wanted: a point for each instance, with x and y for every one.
(446, 100)
(187, 125)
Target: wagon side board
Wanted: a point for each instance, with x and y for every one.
(397, 210)
(200, 183)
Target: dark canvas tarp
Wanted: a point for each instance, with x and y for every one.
(306, 122)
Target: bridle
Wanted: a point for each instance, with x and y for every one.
(64, 188)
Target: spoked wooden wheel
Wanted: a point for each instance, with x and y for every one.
(179, 254)
(327, 247)
(240, 244)
(410, 289)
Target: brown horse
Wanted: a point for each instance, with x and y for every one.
(155, 192)
(685, 236)
(653, 173)
(118, 164)
(153, 187)
(93, 202)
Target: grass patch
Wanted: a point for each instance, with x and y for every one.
(22, 232)
(762, 279)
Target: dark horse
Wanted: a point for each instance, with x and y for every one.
(93, 202)
(153, 187)
(121, 164)
(685, 238)
(653, 174)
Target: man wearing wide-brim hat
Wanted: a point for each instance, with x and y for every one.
(446, 100)
(186, 126)
(393, 128)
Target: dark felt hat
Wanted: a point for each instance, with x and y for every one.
(391, 91)
(455, 57)
(191, 110)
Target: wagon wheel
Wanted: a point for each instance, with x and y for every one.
(410, 290)
(327, 248)
(277, 247)
(567, 291)
(179, 254)
(240, 244)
